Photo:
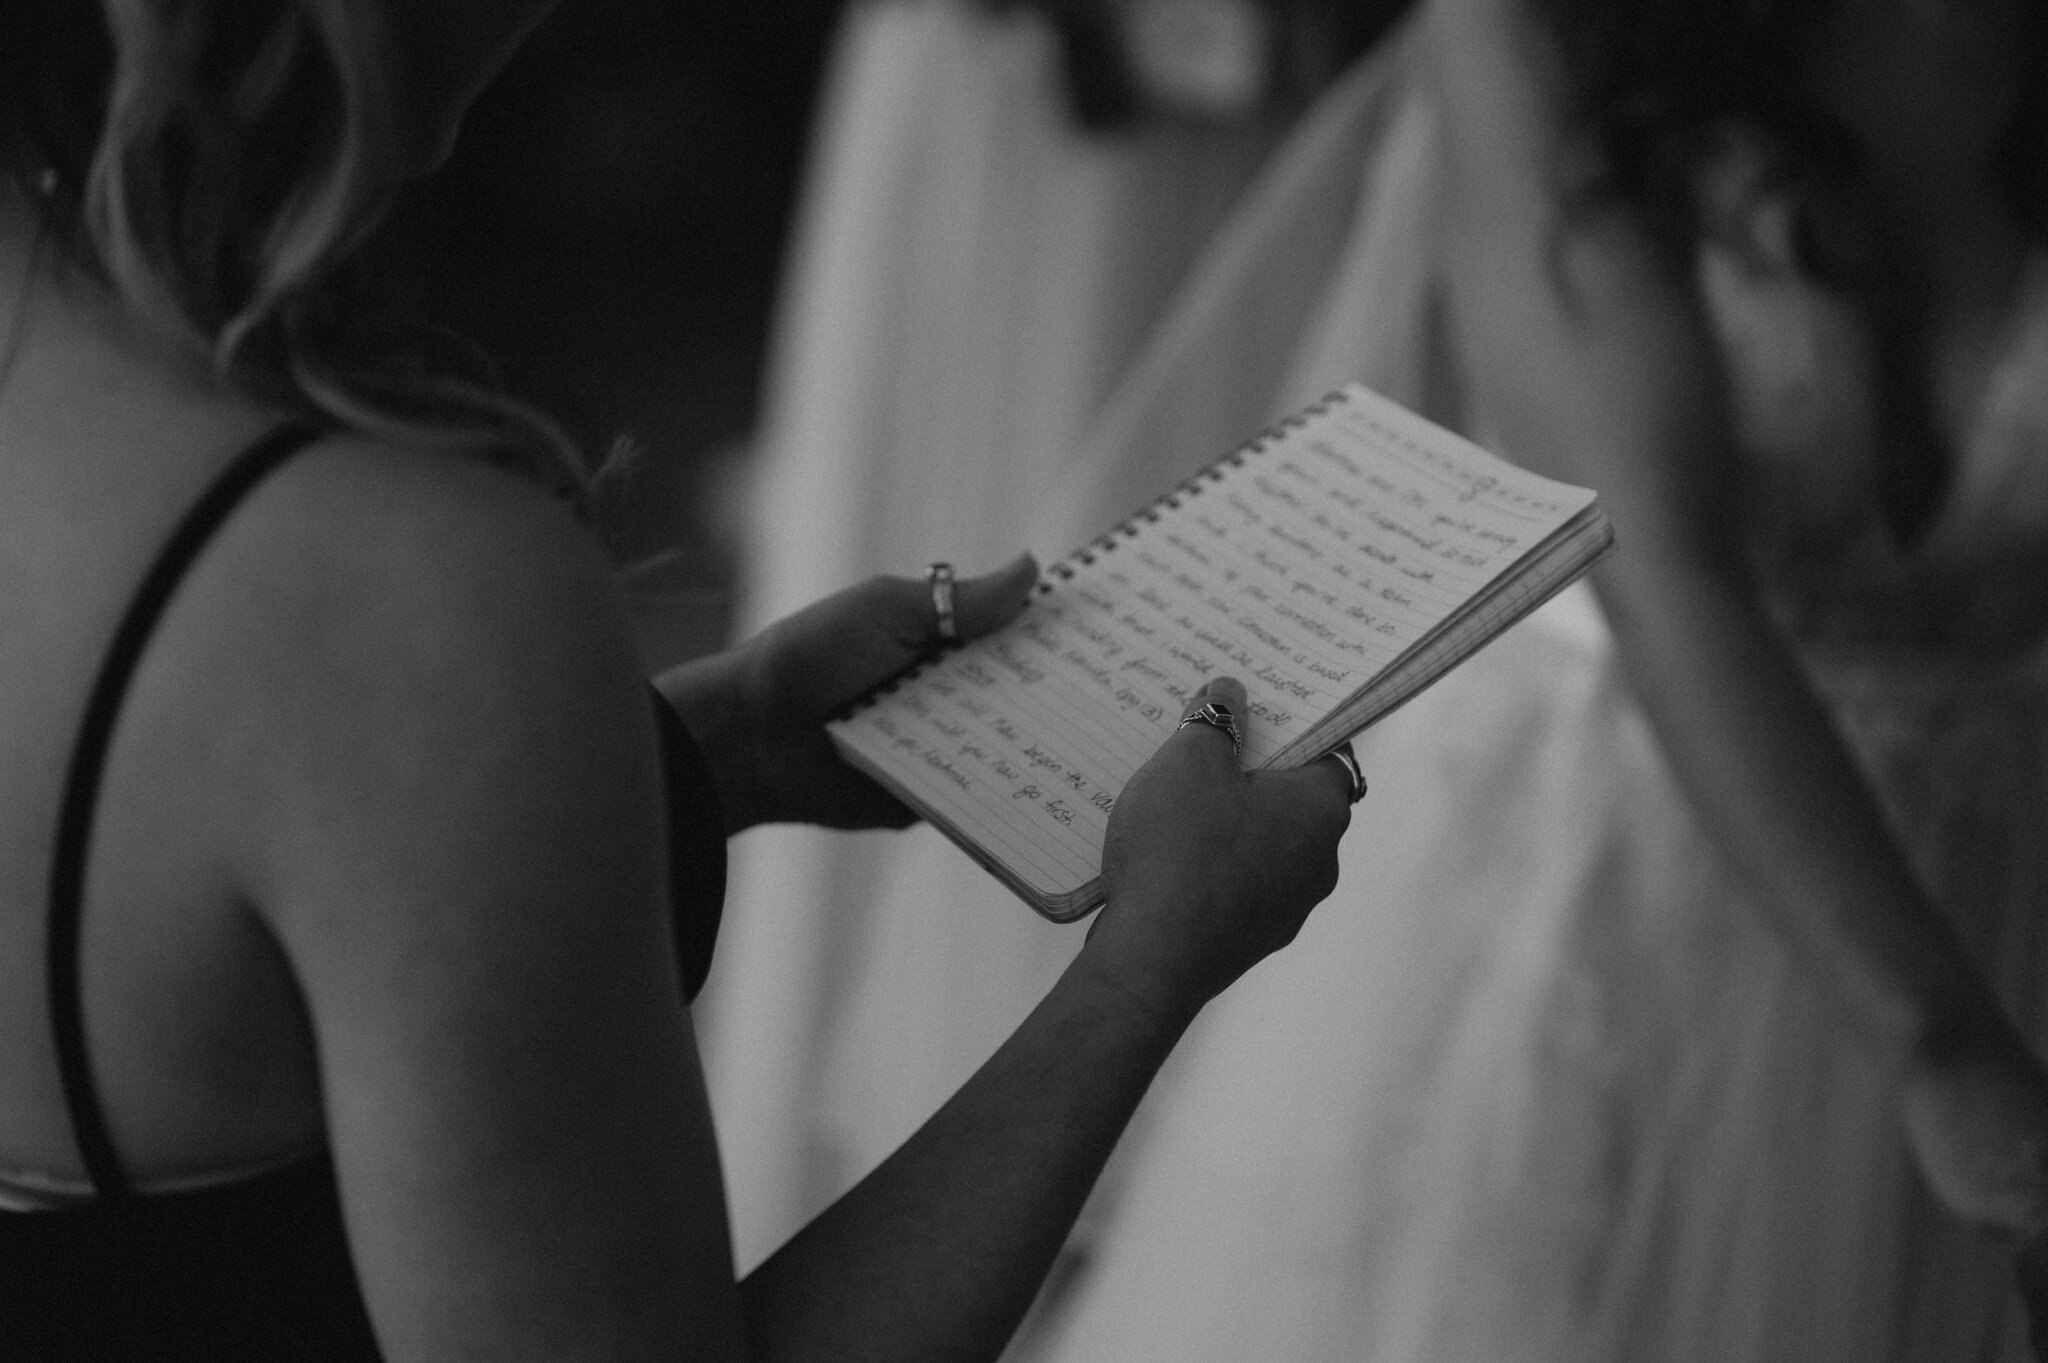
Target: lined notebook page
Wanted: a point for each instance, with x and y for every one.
(1303, 565)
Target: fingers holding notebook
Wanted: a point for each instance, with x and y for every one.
(1208, 868)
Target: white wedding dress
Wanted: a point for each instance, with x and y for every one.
(1538, 1083)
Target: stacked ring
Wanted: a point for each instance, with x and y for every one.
(1216, 715)
(940, 575)
(1348, 760)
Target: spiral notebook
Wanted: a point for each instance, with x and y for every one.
(1337, 565)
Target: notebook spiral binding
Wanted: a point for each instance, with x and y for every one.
(1128, 528)
(1172, 500)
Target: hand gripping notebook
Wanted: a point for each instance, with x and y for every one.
(1337, 565)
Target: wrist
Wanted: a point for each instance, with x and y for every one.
(1132, 975)
(1152, 1017)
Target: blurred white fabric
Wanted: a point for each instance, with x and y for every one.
(1537, 1083)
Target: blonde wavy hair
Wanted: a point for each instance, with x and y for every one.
(219, 163)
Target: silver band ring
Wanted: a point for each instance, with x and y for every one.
(1216, 715)
(1348, 760)
(940, 575)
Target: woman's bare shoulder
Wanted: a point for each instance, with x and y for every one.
(391, 560)
(441, 526)
(425, 646)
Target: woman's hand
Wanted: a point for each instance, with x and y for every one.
(939, 1252)
(1209, 868)
(758, 711)
(1975, 1107)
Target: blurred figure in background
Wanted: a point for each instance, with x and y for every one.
(1688, 1014)
(1002, 198)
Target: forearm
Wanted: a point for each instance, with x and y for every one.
(1595, 365)
(1767, 772)
(938, 1253)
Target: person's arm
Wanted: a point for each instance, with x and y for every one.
(1594, 364)
(938, 1252)
(451, 821)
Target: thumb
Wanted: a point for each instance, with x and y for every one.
(990, 601)
(907, 609)
(1226, 697)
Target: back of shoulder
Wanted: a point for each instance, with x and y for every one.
(415, 575)
(412, 635)
(409, 536)
(411, 575)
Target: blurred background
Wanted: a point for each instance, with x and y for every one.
(609, 231)
(1032, 298)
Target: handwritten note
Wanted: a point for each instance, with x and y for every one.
(1304, 566)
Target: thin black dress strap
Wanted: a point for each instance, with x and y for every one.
(696, 847)
(82, 786)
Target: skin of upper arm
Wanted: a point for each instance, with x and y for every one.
(455, 832)
(1585, 351)
(1594, 362)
